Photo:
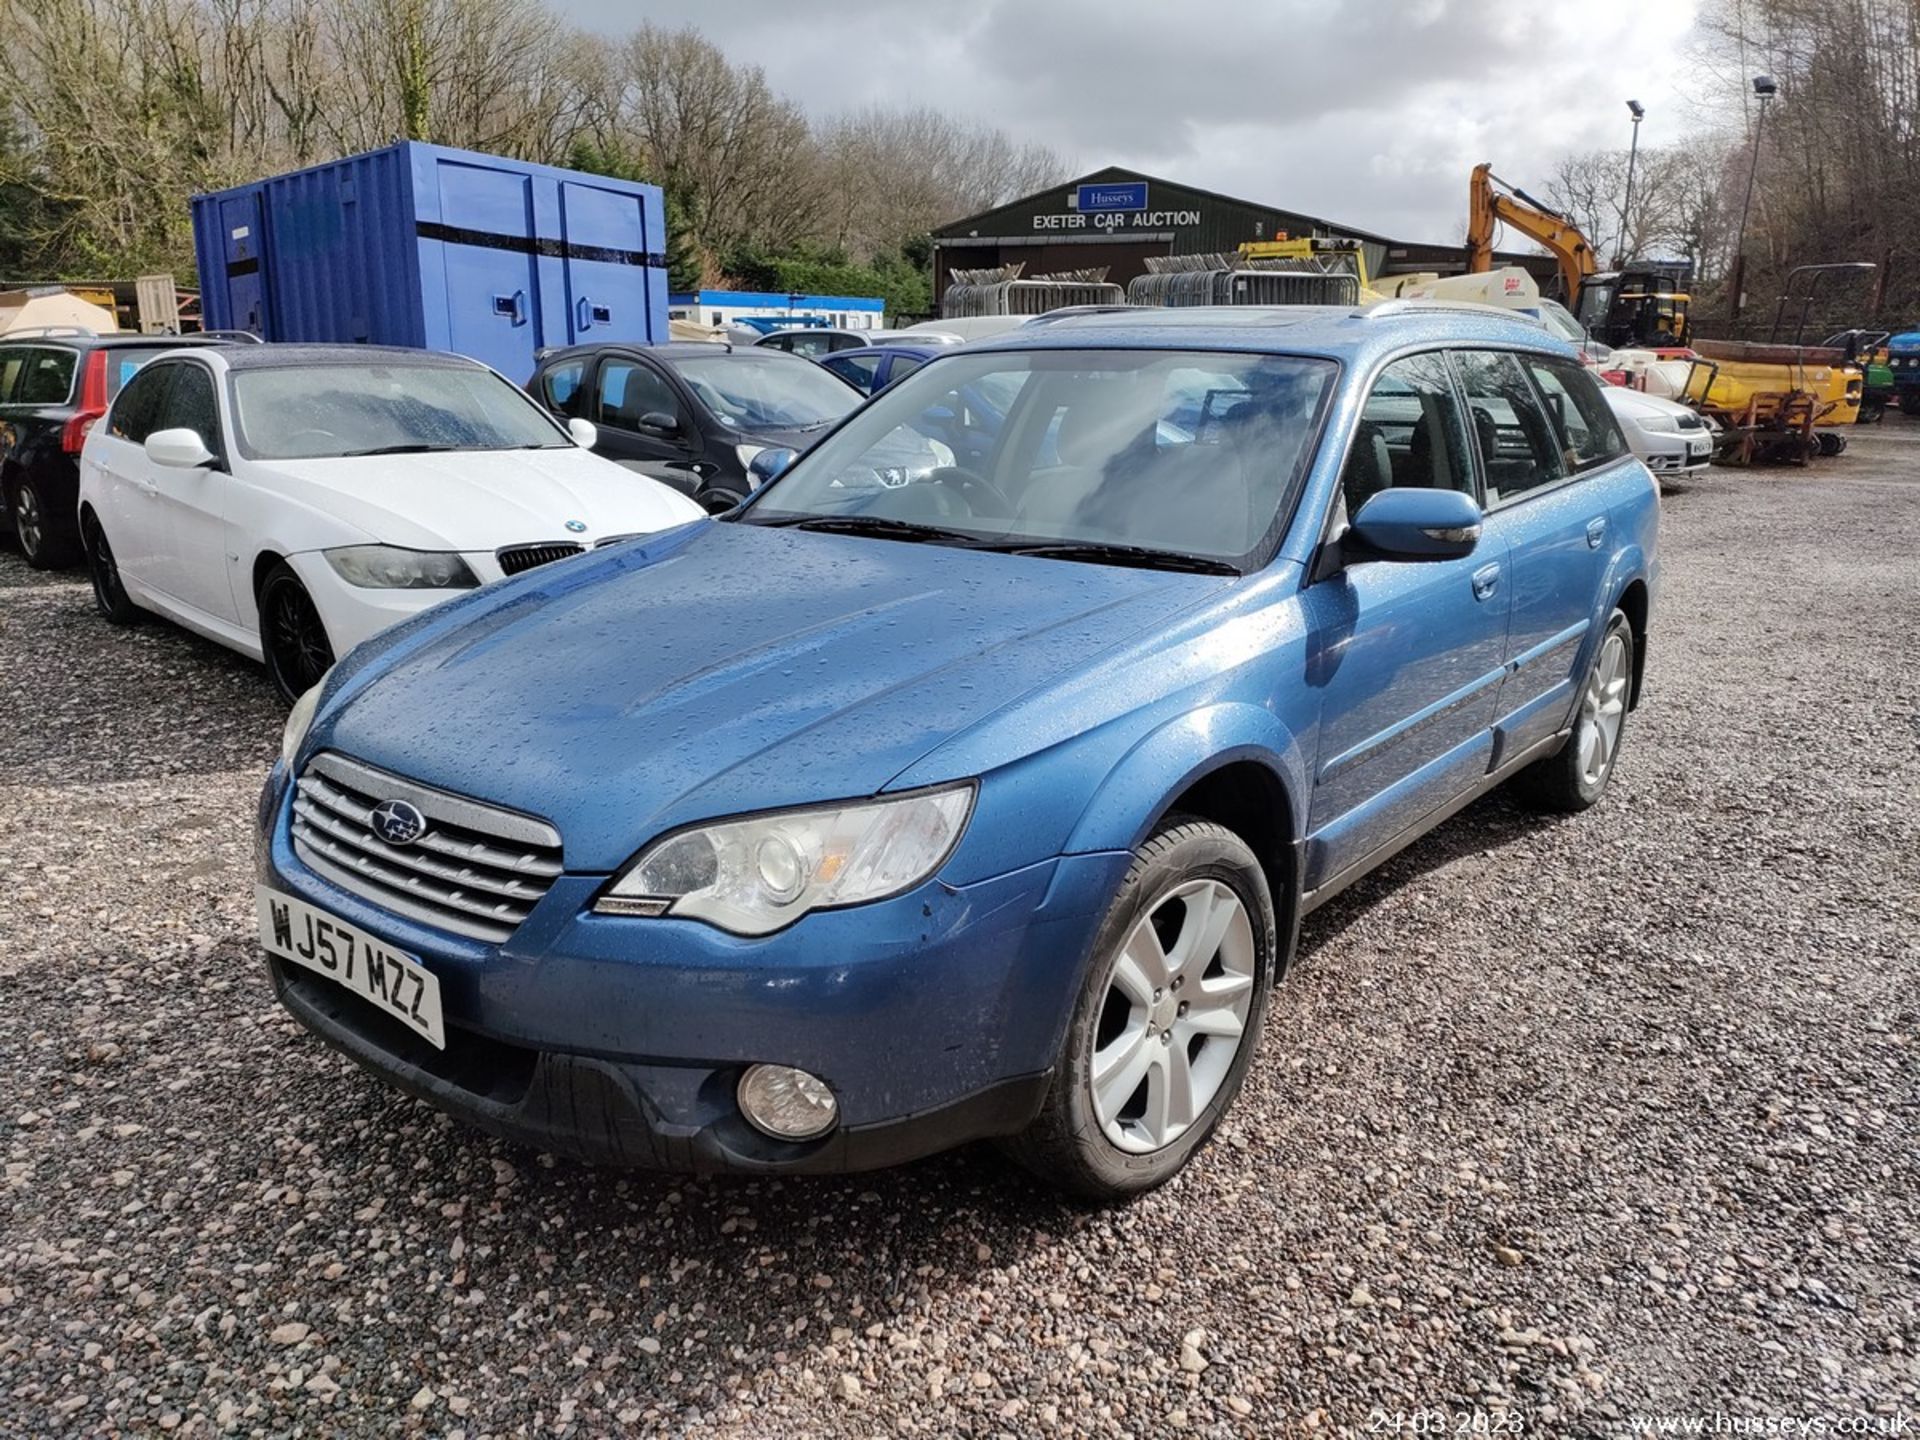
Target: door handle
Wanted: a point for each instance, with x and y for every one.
(513, 307)
(1486, 580)
(1596, 531)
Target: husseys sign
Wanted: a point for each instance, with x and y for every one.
(1113, 207)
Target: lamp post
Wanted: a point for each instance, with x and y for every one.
(1638, 112)
(1765, 89)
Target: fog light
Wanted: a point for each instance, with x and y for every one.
(787, 1104)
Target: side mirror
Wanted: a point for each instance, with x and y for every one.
(1417, 524)
(178, 450)
(584, 432)
(769, 465)
(658, 422)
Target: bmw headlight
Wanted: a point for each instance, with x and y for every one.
(758, 873)
(299, 721)
(388, 567)
(1659, 424)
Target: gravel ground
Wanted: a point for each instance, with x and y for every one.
(1571, 1121)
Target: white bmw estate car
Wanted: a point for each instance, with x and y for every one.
(289, 501)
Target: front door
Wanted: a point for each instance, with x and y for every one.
(195, 567)
(1407, 656)
(628, 394)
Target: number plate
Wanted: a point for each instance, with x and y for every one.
(1699, 447)
(375, 971)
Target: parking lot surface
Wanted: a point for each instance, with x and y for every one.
(1578, 1120)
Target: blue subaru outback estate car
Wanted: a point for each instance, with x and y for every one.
(888, 812)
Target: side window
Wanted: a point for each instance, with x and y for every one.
(137, 409)
(1582, 419)
(560, 387)
(903, 366)
(12, 362)
(812, 345)
(629, 389)
(1518, 445)
(860, 369)
(46, 378)
(191, 405)
(778, 342)
(1411, 433)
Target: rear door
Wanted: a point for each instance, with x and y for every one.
(608, 274)
(493, 301)
(1545, 435)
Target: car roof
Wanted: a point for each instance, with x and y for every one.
(118, 340)
(670, 350)
(1338, 331)
(282, 356)
(919, 352)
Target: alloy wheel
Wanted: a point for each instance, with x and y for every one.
(28, 521)
(301, 653)
(105, 573)
(1603, 709)
(1174, 1017)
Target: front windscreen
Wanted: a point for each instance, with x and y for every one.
(308, 412)
(745, 391)
(1178, 453)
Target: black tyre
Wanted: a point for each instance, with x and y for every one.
(1574, 778)
(1167, 1021)
(109, 595)
(292, 635)
(43, 538)
(1910, 400)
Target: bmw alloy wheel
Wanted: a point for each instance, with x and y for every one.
(1175, 1013)
(1603, 709)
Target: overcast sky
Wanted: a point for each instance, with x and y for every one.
(1369, 113)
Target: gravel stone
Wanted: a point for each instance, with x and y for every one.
(1663, 1055)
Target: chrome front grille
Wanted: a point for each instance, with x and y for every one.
(516, 558)
(475, 870)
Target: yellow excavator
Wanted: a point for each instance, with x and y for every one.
(1638, 306)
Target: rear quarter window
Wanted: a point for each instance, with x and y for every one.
(1582, 419)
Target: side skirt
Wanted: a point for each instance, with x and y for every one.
(1492, 780)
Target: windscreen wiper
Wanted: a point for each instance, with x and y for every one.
(876, 525)
(1139, 556)
(412, 447)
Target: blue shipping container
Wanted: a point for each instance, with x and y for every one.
(422, 245)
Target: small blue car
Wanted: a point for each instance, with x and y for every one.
(890, 812)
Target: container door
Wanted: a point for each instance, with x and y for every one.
(242, 243)
(493, 299)
(607, 264)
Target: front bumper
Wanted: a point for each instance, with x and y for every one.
(353, 613)
(935, 1016)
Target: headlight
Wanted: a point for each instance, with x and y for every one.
(1659, 424)
(756, 874)
(746, 454)
(388, 567)
(299, 721)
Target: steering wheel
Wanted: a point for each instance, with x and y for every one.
(953, 484)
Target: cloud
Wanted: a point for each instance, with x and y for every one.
(1371, 114)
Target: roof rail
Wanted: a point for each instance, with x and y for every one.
(243, 337)
(44, 332)
(1391, 309)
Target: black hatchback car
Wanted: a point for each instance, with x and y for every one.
(694, 414)
(53, 386)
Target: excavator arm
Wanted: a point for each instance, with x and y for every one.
(1493, 203)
